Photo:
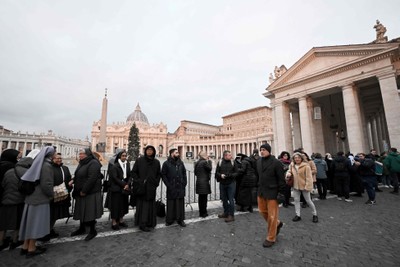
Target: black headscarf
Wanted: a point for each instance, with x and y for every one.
(119, 156)
(8, 160)
(10, 155)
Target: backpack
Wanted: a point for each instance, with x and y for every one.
(340, 166)
(26, 187)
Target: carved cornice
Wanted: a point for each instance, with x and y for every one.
(388, 53)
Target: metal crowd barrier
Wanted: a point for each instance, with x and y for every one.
(190, 197)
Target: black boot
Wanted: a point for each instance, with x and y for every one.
(92, 232)
(81, 230)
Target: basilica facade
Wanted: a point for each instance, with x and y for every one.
(240, 132)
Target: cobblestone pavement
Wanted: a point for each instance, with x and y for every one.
(348, 234)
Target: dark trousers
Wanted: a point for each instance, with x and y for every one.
(369, 184)
(288, 192)
(202, 204)
(227, 193)
(395, 181)
(343, 186)
(322, 186)
(175, 210)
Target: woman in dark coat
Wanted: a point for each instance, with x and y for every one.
(249, 182)
(59, 209)
(120, 180)
(147, 171)
(12, 202)
(8, 159)
(87, 193)
(284, 158)
(202, 171)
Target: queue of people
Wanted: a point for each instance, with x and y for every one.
(30, 204)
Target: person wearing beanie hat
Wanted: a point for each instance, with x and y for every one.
(271, 182)
(266, 147)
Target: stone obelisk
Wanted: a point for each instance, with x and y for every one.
(101, 147)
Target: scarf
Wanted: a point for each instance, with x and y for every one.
(123, 166)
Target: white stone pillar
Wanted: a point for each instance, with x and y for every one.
(369, 133)
(305, 125)
(391, 104)
(355, 133)
(296, 129)
(282, 131)
(380, 135)
(375, 135)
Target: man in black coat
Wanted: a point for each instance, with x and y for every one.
(271, 181)
(173, 173)
(226, 173)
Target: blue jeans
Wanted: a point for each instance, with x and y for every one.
(227, 192)
(369, 185)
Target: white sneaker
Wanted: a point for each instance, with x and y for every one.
(390, 186)
(348, 200)
(339, 198)
(386, 186)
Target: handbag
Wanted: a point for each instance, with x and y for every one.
(160, 208)
(60, 191)
(289, 180)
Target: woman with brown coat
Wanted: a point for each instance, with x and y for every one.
(302, 184)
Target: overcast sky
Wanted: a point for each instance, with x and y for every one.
(181, 60)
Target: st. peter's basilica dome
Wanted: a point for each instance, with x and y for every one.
(137, 116)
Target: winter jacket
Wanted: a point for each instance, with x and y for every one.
(148, 169)
(88, 176)
(202, 171)
(322, 168)
(173, 174)
(271, 180)
(313, 170)
(44, 191)
(392, 162)
(366, 167)
(227, 167)
(341, 161)
(116, 177)
(249, 178)
(11, 195)
(385, 168)
(302, 177)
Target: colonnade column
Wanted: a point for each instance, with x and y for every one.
(391, 104)
(305, 125)
(355, 132)
(283, 132)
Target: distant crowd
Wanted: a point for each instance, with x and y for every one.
(37, 190)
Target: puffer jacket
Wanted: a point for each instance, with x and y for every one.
(322, 168)
(302, 178)
(392, 162)
(11, 195)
